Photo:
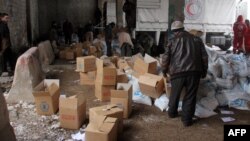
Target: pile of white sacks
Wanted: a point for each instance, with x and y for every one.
(227, 83)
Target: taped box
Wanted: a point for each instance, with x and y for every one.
(151, 85)
(122, 97)
(86, 64)
(102, 129)
(107, 110)
(72, 111)
(106, 73)
(103, 92)
(121, 76)
(46, 96)
(87, 78)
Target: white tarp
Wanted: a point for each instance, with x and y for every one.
(28, 74)
(46, 54)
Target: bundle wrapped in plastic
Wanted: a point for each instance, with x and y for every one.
(226, 83)
(206, 89)
(245, 84)
(202, 112)
(162, 102)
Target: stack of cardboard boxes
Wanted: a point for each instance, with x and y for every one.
(86, 66)
(105, 79)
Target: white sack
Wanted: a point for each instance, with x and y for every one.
(162, 102)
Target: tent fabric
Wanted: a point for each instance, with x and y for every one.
(154, 14)
(28, 74)
(210, 11)
(46, 54)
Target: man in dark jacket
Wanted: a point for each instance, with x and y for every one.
(68, 31)
(186, 61)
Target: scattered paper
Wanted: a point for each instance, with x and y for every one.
(78, 136)
(227, 119)
(225, 112)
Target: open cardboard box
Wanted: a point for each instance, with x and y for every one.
(102, 129)
(46, 95)
(122, 97)
(72, 111)
(106, 73)
(107, 110)
(148, 65)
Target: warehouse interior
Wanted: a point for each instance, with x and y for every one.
(68, 89)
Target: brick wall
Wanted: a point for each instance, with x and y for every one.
(18, 26)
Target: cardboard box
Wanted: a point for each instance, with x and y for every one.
(106, 73)
(62, 54)
(72, 111)
(103, 129)
(87, 78)
(103, 92)
(151, 85)
(70, 55)
(86, 64)
(46, 96)
(92, 50)
(107, 110)
(122, 97)
(78, 51)
(148, 65)
(121, 76)
(168, 89)
(123, 64)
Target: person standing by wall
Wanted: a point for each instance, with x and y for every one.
(186, 60)
(6, 51)
(108, 37)
(68, 30)
(247, 37)
(239, 29)
(130, 15)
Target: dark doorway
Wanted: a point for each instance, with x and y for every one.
(28, 20)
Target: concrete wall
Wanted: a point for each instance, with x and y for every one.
(17, 24)
(77, 11)
(47, 12)
(34, 20)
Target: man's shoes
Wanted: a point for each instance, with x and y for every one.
(170, 115)
(187, 124)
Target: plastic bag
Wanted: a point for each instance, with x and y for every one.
(240, 104)
(245, 84)
(162, 102)
(226, 83)
(203, 112)
(138, 97)
(209, 103)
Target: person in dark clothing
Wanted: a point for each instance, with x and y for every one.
(68, 30)
(186, 60)
(80, 33)
(89, 32)
(5, 42)
(130, 14)
(109, 37)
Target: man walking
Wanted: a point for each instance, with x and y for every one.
(186, 61)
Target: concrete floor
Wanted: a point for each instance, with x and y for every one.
(147, 123)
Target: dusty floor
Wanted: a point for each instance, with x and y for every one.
(147, 123)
